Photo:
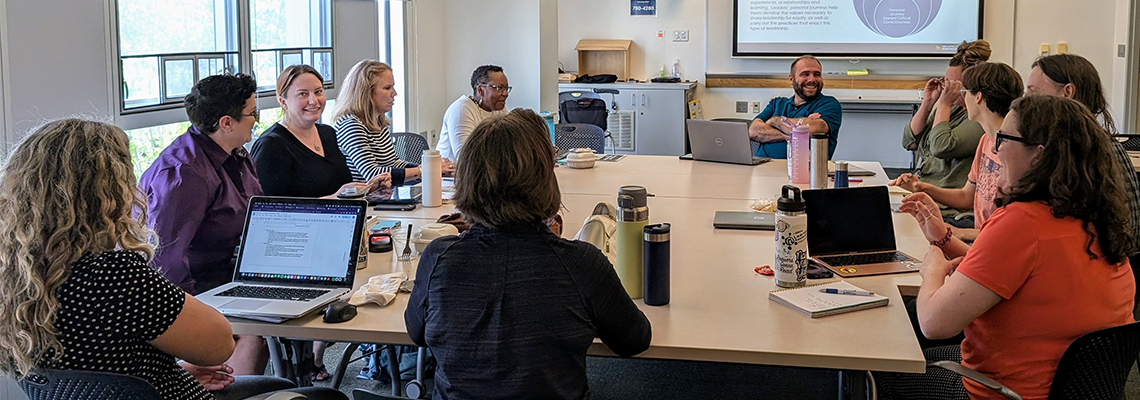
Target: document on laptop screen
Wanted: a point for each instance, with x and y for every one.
(297, 239)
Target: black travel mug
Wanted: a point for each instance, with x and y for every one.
(657, 264)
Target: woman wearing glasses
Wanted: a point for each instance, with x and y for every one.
(988, 90)
(941, 136)
(1056, 249)
(491, 89)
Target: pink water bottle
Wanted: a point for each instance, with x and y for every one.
(799, 154)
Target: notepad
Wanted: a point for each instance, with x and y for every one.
(809, 301)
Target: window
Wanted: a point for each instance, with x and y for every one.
(166, 46)
(290, 32)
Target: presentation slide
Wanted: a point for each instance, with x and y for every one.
(854, 27)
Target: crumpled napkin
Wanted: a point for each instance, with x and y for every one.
(380, 289)
(767, 204)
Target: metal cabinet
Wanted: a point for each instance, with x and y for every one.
(645, 118)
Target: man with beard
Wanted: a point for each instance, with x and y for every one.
(820, 112)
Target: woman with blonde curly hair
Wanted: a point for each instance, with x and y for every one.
(78, 292)
(73, 249)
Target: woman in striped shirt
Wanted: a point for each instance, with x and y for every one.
(362, 129)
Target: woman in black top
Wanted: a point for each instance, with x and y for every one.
(297, 156)
(509, 308)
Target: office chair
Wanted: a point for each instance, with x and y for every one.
(755, 145)
(50, 384)
(1094, 367)
(579, 136)
(410, 146)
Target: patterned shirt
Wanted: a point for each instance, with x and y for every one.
(110, 308)
(369, 153)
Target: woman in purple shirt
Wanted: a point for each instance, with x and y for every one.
(197, 191)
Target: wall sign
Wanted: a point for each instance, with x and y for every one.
(643, 7)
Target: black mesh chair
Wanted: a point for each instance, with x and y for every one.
(579, 136)
(1094, 367)
(53, 384)
(410, 146)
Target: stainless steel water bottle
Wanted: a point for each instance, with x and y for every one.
(819, 161)
(633, 215)
(791, 239)
(657, 264)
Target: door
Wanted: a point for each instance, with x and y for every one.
(660, 122)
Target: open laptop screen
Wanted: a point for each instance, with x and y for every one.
(301, 241)
(847, 220)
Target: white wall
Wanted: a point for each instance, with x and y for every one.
(453, 37)
(1014, 29)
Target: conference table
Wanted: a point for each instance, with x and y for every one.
(719, 309)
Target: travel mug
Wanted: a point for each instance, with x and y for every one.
(657, 264)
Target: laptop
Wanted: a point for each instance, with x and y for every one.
(851, 232)
(744, 220)
(722, 141)
(296, 255)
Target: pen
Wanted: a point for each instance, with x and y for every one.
(847, 292)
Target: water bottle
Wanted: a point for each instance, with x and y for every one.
(657, 264)
(791, 239)
(633, 215)
(798, 155)
(677, 69)
(431, 172)
(841, 174)
(819, 161)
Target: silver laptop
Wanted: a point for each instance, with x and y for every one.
(851, 232)
(296, 255)
(722, 141)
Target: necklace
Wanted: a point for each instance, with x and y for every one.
(316, 147)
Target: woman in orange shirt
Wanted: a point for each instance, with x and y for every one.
(1055, 250)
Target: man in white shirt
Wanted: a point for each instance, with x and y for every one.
(490, 88)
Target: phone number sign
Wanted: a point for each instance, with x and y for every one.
(642, 7)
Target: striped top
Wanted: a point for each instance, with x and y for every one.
(368, 153)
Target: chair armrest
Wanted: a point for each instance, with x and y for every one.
(977, 377)
(287, 396)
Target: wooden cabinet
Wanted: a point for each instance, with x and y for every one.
(645, 118)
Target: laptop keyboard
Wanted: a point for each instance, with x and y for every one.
(273, 292)
(862, 259)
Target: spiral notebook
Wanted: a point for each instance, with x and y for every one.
(808, 300)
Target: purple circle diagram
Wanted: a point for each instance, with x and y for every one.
(897, 18)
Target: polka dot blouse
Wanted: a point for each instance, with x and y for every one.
(111, 306)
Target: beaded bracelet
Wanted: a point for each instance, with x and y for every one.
(945, 239)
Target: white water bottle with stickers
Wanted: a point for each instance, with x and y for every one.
(791, 239)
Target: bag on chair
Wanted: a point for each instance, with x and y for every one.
(599, 230)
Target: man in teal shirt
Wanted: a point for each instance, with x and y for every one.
(821, 113)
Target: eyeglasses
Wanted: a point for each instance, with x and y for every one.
(256, 114)
(1001, 137)
(963, 92)
(498, 88)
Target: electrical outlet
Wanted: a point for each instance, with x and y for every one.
(756, 107)
(741, 107)
(681, 36)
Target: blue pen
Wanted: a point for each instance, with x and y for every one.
(851, 292)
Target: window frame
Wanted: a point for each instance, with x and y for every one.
(168, 109)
